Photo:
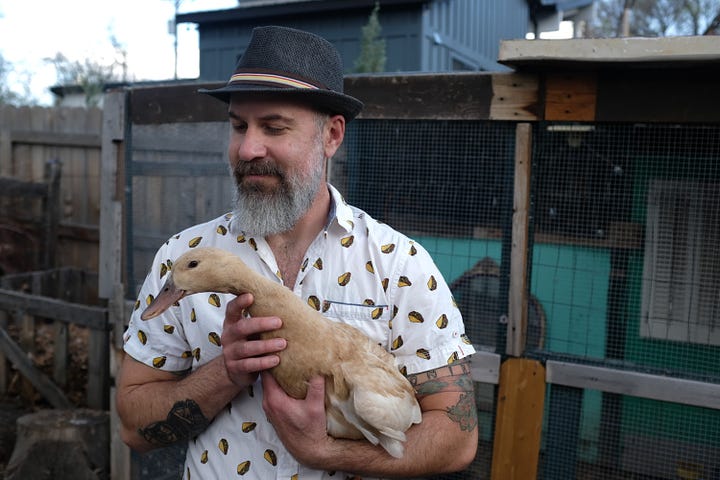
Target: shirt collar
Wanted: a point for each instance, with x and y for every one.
(340, 211)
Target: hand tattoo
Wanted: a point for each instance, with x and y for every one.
(184, 421)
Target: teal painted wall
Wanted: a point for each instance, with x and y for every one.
(571, 285)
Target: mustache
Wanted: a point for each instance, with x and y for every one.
(252, 168)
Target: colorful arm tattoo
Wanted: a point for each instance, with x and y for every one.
(450, 378)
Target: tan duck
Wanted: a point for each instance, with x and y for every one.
(365, 393)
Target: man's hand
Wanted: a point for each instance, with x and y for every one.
(243, 352)
(300, 424)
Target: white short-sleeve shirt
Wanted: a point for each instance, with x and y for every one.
(358, 271)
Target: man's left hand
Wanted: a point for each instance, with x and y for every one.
(300, 424)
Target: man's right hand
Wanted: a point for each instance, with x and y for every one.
(244, 353)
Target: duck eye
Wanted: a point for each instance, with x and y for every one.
(193, 264)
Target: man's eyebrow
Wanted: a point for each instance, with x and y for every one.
(267, 118)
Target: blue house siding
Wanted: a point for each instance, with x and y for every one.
(221, 43)
(420, 36)
(466, 34)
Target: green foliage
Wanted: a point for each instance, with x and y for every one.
(372, 49)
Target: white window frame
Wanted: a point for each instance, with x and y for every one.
(681, 272)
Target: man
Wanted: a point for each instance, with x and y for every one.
(198, 373)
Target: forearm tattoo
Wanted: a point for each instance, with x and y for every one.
(184, 421)
(450, 378)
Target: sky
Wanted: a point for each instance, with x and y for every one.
(32, 31)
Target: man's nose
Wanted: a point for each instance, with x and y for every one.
(251, 146)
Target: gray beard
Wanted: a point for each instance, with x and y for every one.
(262, 213)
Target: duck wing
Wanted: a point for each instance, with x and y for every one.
(373, 398)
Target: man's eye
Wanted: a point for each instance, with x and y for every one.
(274, 130)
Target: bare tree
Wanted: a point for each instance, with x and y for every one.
(655, 18)
(91, 75)
(8, 96)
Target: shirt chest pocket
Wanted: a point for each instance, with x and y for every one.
(372, 320)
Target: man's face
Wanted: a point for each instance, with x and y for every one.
(277, 158)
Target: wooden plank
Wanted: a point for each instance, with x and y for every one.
(457, 96)
(3, 360)
(60, 353)
(98, 370)
(518, 425)
(518, 292)
(14, 187)
(19, 358)
(652, 96)
(175, 104)
(36, 305)
(46, 137)
(180, 169)
(636, 384)
(119, 452)
(622, 52)
(27, 344)
(515, 97)
(5, 153)
(52, 214)
(485, 367)
(111, 229)
(570, 97)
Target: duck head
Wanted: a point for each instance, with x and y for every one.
(199, 270)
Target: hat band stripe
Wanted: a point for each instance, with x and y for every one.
(269, 78)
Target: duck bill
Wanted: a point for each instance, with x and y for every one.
(169, 295)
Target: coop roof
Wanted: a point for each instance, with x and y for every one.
(634, 51)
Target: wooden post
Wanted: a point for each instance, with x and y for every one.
(111, 194)
(27, 343)
(98, 369)
(60, 353)
(518, 292)
(51, 207)
(518, 425)
(111, 253)
(3, 359)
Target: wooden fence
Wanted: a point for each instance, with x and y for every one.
(30, 137)
(49, 215)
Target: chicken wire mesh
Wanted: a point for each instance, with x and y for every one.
(623, 270)
(447, 185)
(625, 265)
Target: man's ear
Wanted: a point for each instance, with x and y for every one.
(333, 134)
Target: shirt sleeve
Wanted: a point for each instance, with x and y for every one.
(159, 342)
(427, 327)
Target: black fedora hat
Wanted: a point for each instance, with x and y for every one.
(292, 63)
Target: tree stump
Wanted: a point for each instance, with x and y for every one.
(61, 444)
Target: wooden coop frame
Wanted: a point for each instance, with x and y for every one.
(618, 81)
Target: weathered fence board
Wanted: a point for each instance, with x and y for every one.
(19, 358)
(84, 315)
(29, 138)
